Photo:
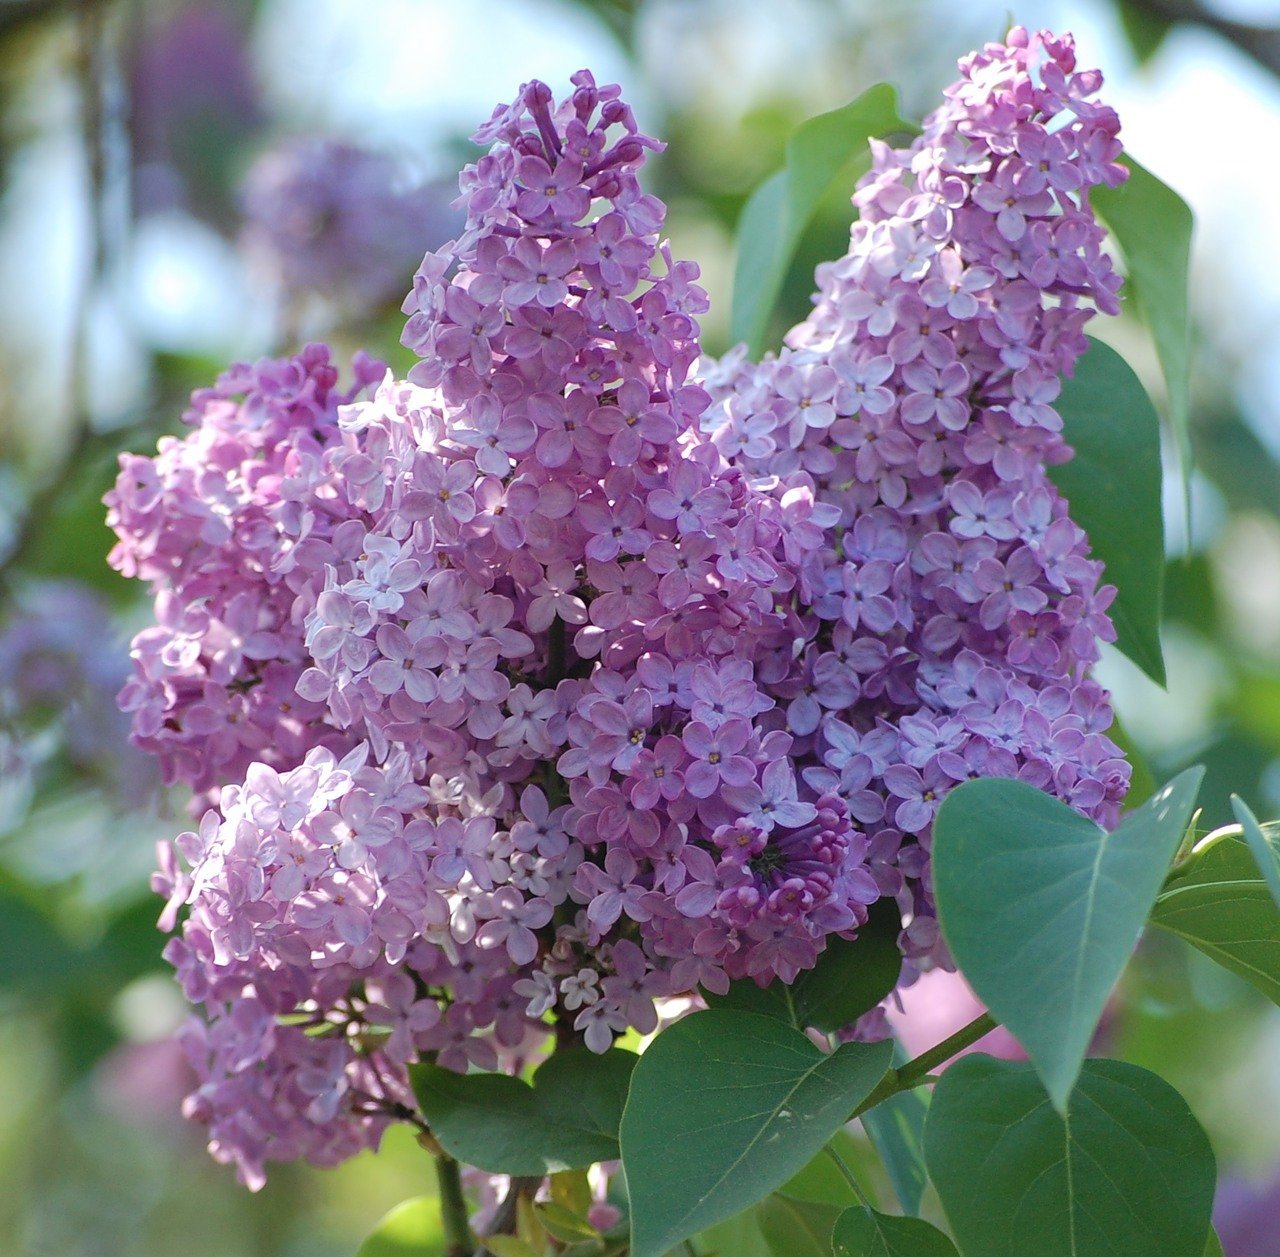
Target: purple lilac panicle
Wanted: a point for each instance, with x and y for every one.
(556, 679)
(958, 604)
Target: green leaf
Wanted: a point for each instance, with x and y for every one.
(725, 1107)
(1128, 1172)
(568, 1119)
(797, 1228)
(830, 147)
(510, 1246)
(1041, 908)
(35, 958)
(851, 976)
(739, 1236)
(821, 1181)
(1113, 486)
(1153, 227)
(863, 1232)
(896, 1130)
(1213, 1248)
(1264, 853)
(1220, 903)
(1144, 29)
(412, 1229)
(571, 1189)
(563, 1223)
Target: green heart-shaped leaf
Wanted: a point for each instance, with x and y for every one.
(1127, 1173)
(724, 1108)
(1041, 908)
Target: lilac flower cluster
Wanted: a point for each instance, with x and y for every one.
(957, 612)
(553, 680)
(210, 522)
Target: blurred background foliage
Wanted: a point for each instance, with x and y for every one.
(183, 182)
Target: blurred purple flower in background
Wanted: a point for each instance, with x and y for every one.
(60, 668)
(330, 219)
(1247, 1217)
(193, 104)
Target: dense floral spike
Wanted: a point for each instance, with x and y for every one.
(958, 604)
(596, 691)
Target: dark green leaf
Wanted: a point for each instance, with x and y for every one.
(1128, 1173)
(725, 1106)
(851, 976)
(863, 1232)
(34, 957)
(1041, 908)
(1264, 853)
(411, 1229)
(896, 1129)
(796, 1228)
(1219, 902)
(1153, 226)
(568, 1119)
(830, 147)
(1113, 486)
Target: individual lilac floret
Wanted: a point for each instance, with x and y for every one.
(956, 611)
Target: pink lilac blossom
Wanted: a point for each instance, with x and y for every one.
(954, 600)
(557, 680)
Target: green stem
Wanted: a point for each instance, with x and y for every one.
(916, 1072)
(460, 1240)
(847, 1173)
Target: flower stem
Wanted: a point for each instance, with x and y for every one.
(916, 1072)
(453, 1209)
(848, 1174)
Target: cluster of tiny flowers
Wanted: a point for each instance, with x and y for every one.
(956, 613)
(330, 219)
(548, 686)
(212, 522)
